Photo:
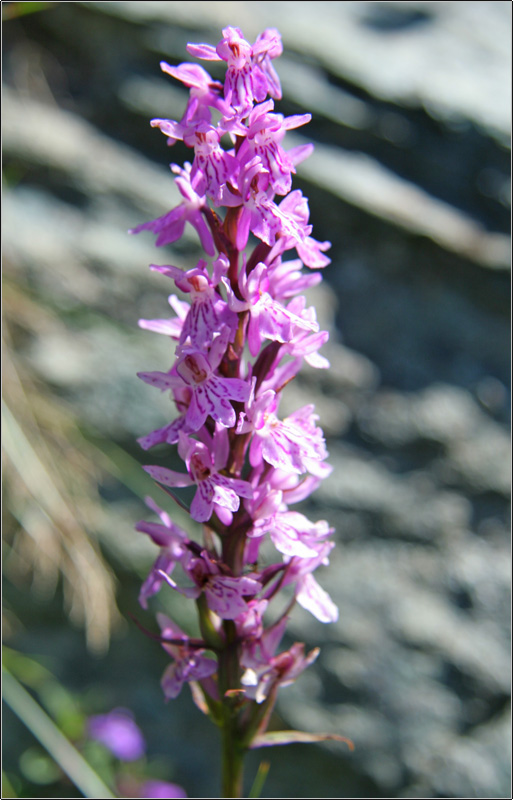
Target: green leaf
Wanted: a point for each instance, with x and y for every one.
(25, 668)
(275, 738)
(258, 783)
(55, 743)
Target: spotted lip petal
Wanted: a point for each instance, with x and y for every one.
(211, 486)
(210, 393)
(168, 476)
(202, 505)
(169, 434)
(225, 595)
(190, 667)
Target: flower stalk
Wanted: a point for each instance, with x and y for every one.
(241, 335)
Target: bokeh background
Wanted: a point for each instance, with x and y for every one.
(410, 183)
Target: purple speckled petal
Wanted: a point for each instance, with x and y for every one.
(220, 408)
(172, 681)
(203, 502)
(199, 408)
(168, 476)
(162, 380)
(224, 598)
(287, 540)
(225, 595)
(242, 488)
(164, 563)
(278, 451)
(226, 497)
(162, 535)
(169, 434)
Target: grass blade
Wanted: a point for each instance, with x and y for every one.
(44, 729)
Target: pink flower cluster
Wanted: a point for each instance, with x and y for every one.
(241, 336)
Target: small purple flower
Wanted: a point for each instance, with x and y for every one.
(263, 136)
(118, 732)
(205, 93)
(189, 663)
(224, 593)
(294, 444)
(161, 789)
(210, 394)
(303, 343)
(308, 592)
(267, 47)
(292, 533)
(265, 671)
(295, 487)
(314, 599)
(170, 226)
(213, 488)
(286, 279)
(250, 624)
(172, 542)
(242, 84)
(246, 81)
(269, 319)
(208, 313)
(213, 167)
(311, 252)
(169, 434)
(260, 214)
(282, 670)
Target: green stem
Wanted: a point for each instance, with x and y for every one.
(233, 749)
(233, 759)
